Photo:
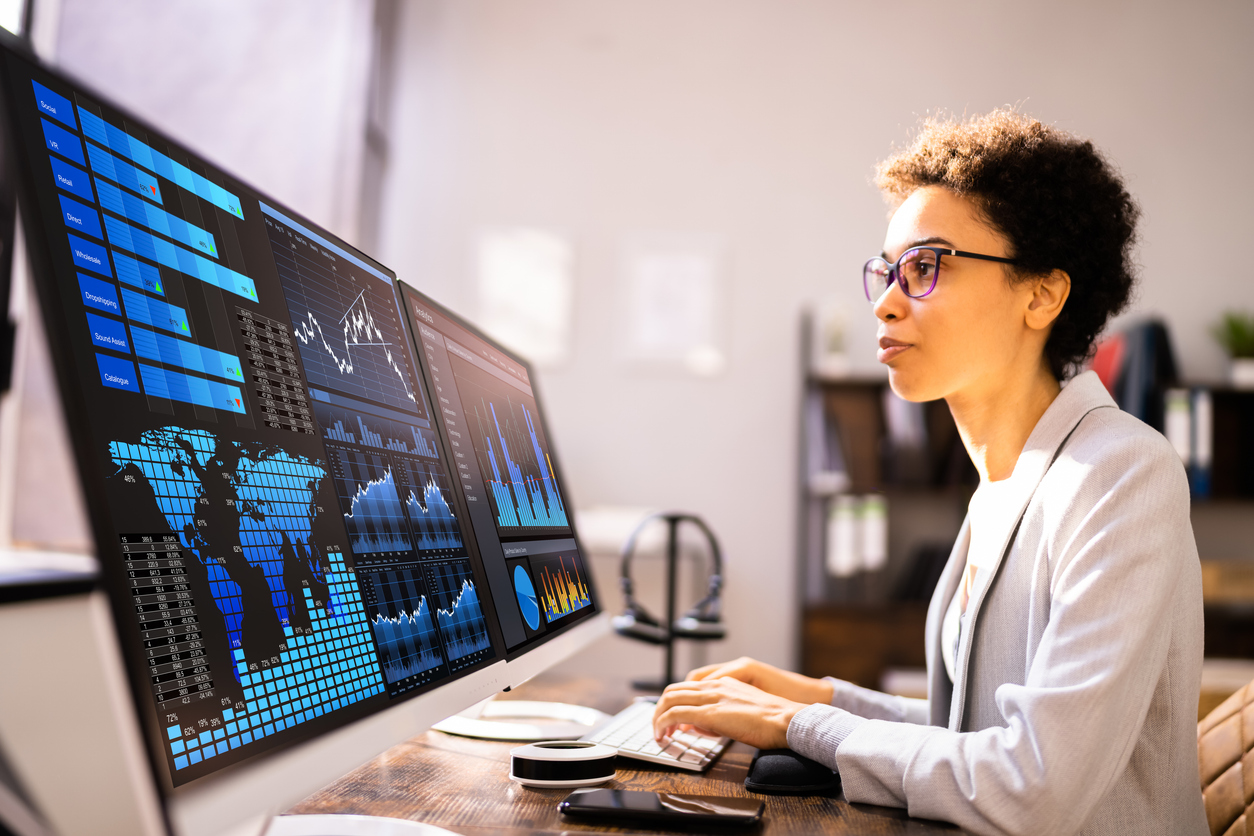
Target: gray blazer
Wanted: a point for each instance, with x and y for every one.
(1074, 707)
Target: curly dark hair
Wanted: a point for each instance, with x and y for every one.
(1054, 197)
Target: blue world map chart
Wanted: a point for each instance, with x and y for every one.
(257, 500)
(248, 509)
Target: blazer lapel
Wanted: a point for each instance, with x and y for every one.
(1081, 396)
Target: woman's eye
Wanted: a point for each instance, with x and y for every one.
(919, 268)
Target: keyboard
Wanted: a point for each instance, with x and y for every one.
(630, 731)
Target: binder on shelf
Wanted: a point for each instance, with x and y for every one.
(1203, 435)
(856, 534)
(843, 560)
(825, 462)
(873, 519)
(1178, 423)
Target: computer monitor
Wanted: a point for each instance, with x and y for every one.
(489, 416)
(299, 576)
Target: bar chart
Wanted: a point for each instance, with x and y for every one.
(349, 426)
(134, 240)
(174, 352)
(123, 173)
(512, 457)
(137, 273)
(562, 586)
(155, 218)
(131, 148)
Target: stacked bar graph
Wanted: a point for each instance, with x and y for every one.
(141, 298)
(127, 146)
(373, 511)
(138, 273)
(403, 630)
(123, 173)
(173, 352)
(142, 243)
(562, 587)
(155, 218)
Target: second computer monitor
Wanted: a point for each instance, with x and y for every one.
(489, 414)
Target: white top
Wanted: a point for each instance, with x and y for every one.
(992, 512)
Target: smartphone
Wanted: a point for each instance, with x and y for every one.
(662, 807)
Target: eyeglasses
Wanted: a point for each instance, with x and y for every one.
(915, 272)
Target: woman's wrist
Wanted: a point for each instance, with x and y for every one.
(808, 690)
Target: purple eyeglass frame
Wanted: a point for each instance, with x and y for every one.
(895, 267)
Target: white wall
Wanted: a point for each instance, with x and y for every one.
(760, 122)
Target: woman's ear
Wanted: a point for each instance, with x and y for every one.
(1049, 294)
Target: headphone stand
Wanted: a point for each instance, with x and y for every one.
(700, 623)
(672, 562)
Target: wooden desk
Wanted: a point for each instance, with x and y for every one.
(464, 785)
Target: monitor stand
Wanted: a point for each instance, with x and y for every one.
(332, 825)
(523, 721)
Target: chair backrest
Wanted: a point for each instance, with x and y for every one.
(1225, 738)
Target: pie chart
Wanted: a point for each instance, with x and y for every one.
(526, 594)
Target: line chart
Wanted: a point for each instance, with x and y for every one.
(347, 329)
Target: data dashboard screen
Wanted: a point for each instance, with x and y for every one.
(487, 409)
(281, 533)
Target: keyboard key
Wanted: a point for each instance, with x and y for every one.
(692, 756)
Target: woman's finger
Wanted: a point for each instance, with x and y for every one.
(703, 672)
(665, 724)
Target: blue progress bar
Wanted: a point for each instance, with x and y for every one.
(197, 266)
(140, 308)
(141, 274)
(176, 386)
(124, 174)
(163, 349)
(120, 142)
(154, 217)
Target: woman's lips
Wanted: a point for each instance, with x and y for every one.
(890, 348)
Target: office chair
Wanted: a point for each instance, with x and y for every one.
(1225, 738)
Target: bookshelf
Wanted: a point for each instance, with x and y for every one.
(865, 454)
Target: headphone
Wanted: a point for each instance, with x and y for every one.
(702, 621)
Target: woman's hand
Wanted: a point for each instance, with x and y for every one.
(781, 683)
(725, 706)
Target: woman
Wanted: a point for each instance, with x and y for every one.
(1064, 639)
